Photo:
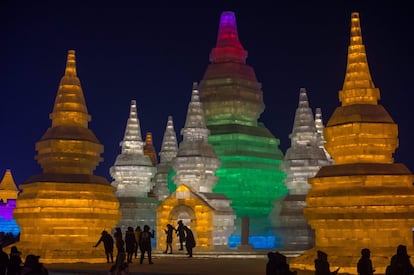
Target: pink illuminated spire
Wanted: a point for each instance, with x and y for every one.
(228, 47)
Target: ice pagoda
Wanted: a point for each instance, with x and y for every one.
(250, 156)
(132, 173)
(364, 200)
(8, 196)
(208, 214)
(149, 149)
(67, 203)
(169, 149)
(302, 160)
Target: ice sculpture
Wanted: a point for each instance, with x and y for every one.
(66, 204)
(8, 195)
(208, 214)
(132, 173)
(364, 199)
(169, 149)
(149, 149)
(233, 101)
(302, 161)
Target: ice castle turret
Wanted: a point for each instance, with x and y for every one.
(132, 173)
(8, 196)
(208, 214)
(250, 156)
(169, 149)
(149, 149)
(364, 200)
(66, 204)
(302, 161)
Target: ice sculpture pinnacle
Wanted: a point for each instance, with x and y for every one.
(358, 86)
(8, 188)
(169, 145)
(149, 149)
(132, 142)
(62, 149)
(195, 121)
(228, 47)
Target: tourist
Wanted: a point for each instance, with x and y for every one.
(169, 232)
(364, 266)
(400, 263)
(130, 243)
(108, 242)
(181, 234)
(145, 243)
(4, 261)
(137, 233)
(277, 264)
(120, 267)
(189, 241)
(32, 266)
(119, 243)
(15, 261)
(322, 265)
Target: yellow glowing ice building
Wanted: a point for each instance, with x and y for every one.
(364, 200)
(62, 212)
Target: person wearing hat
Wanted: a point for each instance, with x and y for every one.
(15, 261)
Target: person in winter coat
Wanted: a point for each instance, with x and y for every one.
(15, 261)
(108, 242)
(4, 261)
(181, 234)
(32, 266)
(277, 264)
(169, 232)
(137, 233)
(364, 266)
(145, 243)
(190, 242)
(130, 243)
(400, 263)
(322, 265)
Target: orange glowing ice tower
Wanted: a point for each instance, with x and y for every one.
(62, 212)
(364, 199)
(233, 101)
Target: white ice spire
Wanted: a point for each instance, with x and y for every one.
(132, 142)
(319, 128)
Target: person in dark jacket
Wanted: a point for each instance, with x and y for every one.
(322, 265)
(277, 264)
(15, 261)
(181, 234)
(145, 243)
(4, 261)
(169, 232)
(32, 266)
(108, 242)
(137, 233)
(190, 242)
(130, 243)
(400, 263)
(364, 266)
(119, 243)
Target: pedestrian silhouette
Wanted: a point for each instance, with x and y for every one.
(181, 234)
(120, 267)
(15, 261)
(189, 241)
(169, 232)
(364, 266)
(33, 266)
(4, 261)
(400, 263)
(108, 242)
(322, 265)
(130, 243)
(119, 243)
(277, 264)
(145, 243)
(137, 233)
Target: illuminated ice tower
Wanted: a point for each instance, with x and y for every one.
(364, 199)
(208, 214)
(168, 151)
(132, 173)
(8, 196)
(233, 101)
(302, 161)
(63, 211)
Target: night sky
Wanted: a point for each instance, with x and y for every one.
(152, 51)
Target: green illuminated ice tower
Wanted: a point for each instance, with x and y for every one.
(233, 101)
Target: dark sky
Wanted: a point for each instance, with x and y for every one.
(152, 51)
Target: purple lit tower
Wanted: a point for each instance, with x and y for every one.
(302, 160)
(249, 153)
(8, 195)
(169, 149)
(132, 173)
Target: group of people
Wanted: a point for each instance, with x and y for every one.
(400, 264)
(184, 234)
(13, 265)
